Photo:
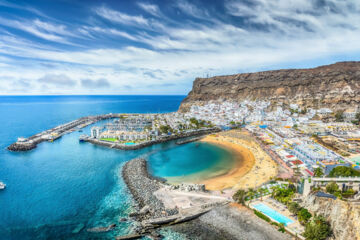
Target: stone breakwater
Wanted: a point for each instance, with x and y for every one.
(29, 143)
(152, 142)
(142, 186)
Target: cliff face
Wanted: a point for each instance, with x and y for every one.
(336, 86)
(343, 216)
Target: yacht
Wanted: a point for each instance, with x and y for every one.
(2, 185)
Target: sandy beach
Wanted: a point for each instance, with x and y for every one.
(252, 168)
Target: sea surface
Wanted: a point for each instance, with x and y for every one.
(66, 185)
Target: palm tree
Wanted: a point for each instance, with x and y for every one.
(262, 191)
(240, 196)
(251, 193)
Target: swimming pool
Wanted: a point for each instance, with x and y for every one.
(274, 215)
(129, 143)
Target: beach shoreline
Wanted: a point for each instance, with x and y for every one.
(243, 162)
(253, 166)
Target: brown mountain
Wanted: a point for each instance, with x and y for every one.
(336, 86)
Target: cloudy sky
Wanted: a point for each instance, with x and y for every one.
(159, 47)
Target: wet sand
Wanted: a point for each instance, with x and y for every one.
(253, 166)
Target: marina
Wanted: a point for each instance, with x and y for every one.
(26, 144)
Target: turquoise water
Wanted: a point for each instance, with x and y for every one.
(129, 143)
(176, 162)
(57, 186)
(272, 214)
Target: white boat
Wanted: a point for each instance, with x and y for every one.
(2, 185)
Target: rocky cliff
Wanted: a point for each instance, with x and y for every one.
(336, 86)
(343, 216)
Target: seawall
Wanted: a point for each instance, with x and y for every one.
(49, 135)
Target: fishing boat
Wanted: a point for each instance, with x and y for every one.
(2, 185)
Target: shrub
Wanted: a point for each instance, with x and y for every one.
(262, 216)
(317, 229)
(332, 188)
(304, 215)
(343, 171)
(294, 207)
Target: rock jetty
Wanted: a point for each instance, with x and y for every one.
(142, 186)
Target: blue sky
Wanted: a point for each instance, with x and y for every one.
(160, 47)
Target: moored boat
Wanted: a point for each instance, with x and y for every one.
(82, 138)
(2, 185)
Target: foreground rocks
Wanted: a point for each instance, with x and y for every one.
(230, 223)
(142, 186)
(343, 216)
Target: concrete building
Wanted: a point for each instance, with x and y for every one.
(95, 132)
(344, 183)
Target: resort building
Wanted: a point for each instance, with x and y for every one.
(95, 132)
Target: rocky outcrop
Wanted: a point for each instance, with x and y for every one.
(336, 86)
(343, 216)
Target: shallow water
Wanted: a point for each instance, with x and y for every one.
(180, 165)
(63, 185)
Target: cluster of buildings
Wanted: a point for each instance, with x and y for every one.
(297, 136)
(143, 127)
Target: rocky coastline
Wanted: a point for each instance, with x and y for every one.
(334, 86)
(142, 185)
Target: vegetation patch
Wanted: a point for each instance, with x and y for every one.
(109, 139)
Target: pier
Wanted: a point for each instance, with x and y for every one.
(26, 144)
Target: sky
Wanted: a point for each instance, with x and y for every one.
(160, 47)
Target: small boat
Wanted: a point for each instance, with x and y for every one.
(83, 137)
(2, 185)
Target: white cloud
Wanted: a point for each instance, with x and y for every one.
(275, 32)
(120, 17)
(150, 8)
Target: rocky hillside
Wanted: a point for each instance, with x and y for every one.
(343, 216)
(336, 86)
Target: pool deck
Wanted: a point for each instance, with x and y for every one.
(294, 228)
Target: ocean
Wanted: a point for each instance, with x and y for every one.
(58, 188)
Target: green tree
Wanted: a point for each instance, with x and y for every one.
(332, 188)
(281, 228)
(165, 128)
(318, 172)
(239, 196)
(294, 207)
(251, 193)
(317, 229)
(343, 171)
(304, 216)
(339, 116)
(262, 191)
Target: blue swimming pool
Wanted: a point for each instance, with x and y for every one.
(129, 143)
(274, 215)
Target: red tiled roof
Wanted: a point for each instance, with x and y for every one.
(309, 172)
(297, 162)
(290, 156)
